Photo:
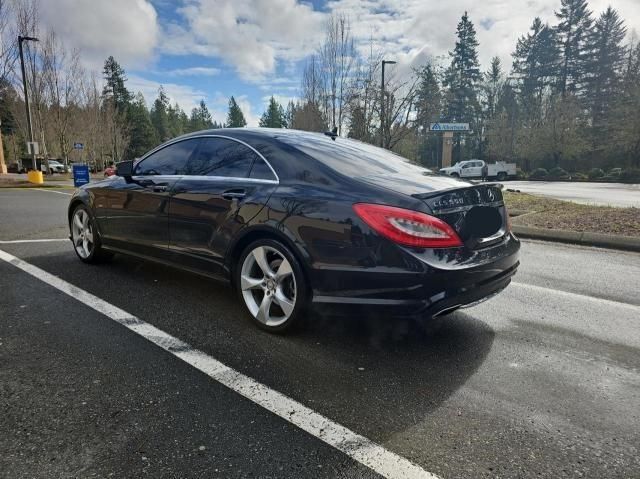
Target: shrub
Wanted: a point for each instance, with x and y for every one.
(596, 173)
(538, 173)
(578, 176)
(630, 175)
(558, 172)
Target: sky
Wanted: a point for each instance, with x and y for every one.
(252, 49)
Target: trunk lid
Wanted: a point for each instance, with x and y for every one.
(476, 212)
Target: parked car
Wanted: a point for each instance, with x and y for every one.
(15, 168)
(473, 169)
(54, 167)
(296, 220)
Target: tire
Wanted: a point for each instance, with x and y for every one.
(275, 300)
(85, 237)
(502, 176)
(455, 175)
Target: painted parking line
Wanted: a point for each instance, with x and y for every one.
(44, 240)
(359, 448)
(578, 296)
(48, 190)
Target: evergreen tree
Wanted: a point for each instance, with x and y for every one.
(177, 120)
(235, 117)
(274, 116)
(625, 119)
(289, 114)
(493, 80)
(462, 79)
(428, 107)
(604, 66)
(200, 118)
(114, 88)
(159, 115)
(573, 33)
(463, 75)
(142, 134)
(535, 63)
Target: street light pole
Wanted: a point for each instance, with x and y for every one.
(26, 97)
(382, 119)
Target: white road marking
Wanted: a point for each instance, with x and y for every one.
(583, 297)
(359, 448)
(48, 190)
(47, 240)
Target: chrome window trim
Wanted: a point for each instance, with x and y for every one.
(207, 178)
(195, 137)
(229, 178)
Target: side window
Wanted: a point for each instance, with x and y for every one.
(260, 170)
(171, 160)
(221, 157)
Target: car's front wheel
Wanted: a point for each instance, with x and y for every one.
(271, 284)
(85, 238)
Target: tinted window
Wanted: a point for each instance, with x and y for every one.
(171, 160)
(221, 157)
(261, 170)
(350, 157)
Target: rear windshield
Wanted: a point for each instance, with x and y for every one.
(352, 158)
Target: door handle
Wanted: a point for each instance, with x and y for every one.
(159, 188)
(234, 194)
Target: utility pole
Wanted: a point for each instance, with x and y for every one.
(382, 102)
(26, 97)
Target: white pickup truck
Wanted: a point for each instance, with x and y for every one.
(473, 169)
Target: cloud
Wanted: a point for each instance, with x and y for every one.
(192, 71)
(249, 35)
(406, 30)
(126, 29)
(186, 96)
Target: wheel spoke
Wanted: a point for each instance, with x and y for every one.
(284, 270)
(85, 220)
(265, 306)
(247, 282)
(85, 246)
(89, 235)
(77, 221)
(285, 303)
(260, 255)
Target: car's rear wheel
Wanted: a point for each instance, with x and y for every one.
(85, 238)
(455, 175)
(271, 284)
(502, 176)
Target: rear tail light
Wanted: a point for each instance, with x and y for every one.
(408, 227)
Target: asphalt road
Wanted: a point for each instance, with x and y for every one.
(605, 194)
(541, 381)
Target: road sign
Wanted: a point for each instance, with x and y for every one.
(33, 148)
(80, 175)
(78, 146)
(449, 127)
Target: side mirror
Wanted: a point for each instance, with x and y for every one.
(124, 169)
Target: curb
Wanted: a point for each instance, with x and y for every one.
(627, 243)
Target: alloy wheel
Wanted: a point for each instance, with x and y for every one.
(268, 285)
(82, 233)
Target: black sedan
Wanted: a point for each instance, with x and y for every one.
(296, 220)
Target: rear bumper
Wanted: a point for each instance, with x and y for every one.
(442, 284)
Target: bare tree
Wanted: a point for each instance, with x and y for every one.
(62, 75)
(337, 55)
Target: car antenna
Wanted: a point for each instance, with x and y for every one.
(333, 133)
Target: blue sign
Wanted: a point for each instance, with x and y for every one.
(78, 146)
(80, 175)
